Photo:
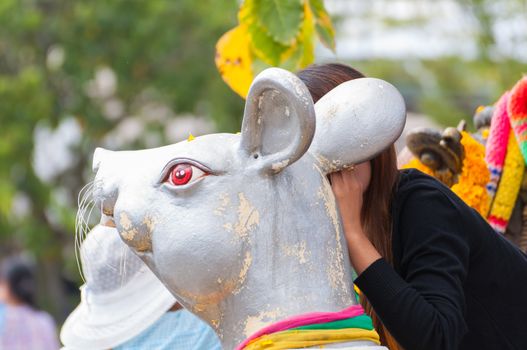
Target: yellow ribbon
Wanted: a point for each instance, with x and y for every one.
(298, 339)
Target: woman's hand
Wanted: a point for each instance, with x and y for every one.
(348, 187)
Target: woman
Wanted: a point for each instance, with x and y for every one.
(22, 326)
(433, 273)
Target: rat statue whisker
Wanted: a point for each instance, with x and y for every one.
(85, 203)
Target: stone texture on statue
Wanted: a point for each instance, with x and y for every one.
(243, 228)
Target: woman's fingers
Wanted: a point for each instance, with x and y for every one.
(337, 184)
(345, 184)
(350, 181)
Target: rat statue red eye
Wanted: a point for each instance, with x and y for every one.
(181, 174)
(184, 173)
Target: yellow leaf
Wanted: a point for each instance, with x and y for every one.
(308, 30)
(190, 137)
(262, 43)
(233, 60)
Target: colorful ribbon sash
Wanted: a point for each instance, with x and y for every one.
(314, 329)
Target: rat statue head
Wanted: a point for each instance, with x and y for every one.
(243, 228)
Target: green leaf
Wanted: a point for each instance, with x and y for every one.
(282, 19)
(262, 43)
(325, 30)
(264, 47)
(303, 53)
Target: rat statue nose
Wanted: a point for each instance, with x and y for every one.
(98, 156)
(121, 192)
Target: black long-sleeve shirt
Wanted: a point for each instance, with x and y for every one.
(455, 283)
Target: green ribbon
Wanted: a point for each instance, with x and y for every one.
(362, 321)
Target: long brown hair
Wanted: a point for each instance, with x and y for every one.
(376, 213)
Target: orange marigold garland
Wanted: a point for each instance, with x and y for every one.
(474, 177)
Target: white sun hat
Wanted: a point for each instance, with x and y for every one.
(120, 299)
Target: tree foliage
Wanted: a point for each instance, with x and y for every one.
(272, 33)
(53, 56)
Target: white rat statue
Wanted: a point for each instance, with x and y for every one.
(243, 229)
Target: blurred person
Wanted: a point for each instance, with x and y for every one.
(22, 325)
(124, 306)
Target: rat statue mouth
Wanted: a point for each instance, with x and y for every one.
(107, 218)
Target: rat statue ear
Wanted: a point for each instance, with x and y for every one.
(356, 121)
(278, 122)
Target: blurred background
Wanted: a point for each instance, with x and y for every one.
(130, 74)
